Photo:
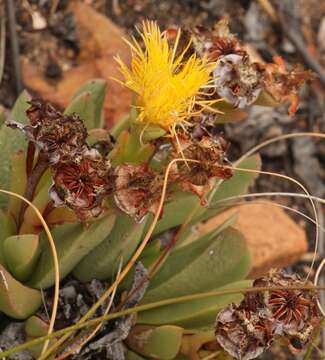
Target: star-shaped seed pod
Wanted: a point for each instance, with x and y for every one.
(247, 329)
(82, 184)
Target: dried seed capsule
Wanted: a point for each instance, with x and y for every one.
(137, 190)
(246, 330)
(60, 137)
(83, 184)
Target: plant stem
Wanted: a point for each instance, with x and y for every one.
(35, 176)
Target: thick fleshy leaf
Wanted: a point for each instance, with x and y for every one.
(21, 253)
(83, 105)
(163, 342)
(193, 314)
(73, 242)
(17, 300)
(176, 211)
(34, 328)
(266, 99)
(7, 228)
(212, 261)
(41, 199)
(129, 148)
(97, 88)
(229, 114)
(11, 141)
(18, 112)
(130, 355)
(103, 261)
(18, 180)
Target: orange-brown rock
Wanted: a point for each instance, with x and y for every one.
(273, 238)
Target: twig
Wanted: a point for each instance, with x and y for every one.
(36, 174)
(14, 44)
(2, 40)
(295, 38)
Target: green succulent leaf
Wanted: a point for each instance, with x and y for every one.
(229, 113)
(21, 253)
(83, 105)
(73, 242)
(176, 211)
(130, 149)
(103, 261)
(18, 112)
(41, 199)
(266, 99)
(97, 89)
(17, 300)
(18, 182)
(11, 141)
(34, 328)
(196, 313)
(130, 355)
(163, 342)
(214, 260)
(8, 228)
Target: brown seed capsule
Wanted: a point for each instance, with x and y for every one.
(210, 153)
(137, 190)
(83, 184)
(246, 330)
(237, 80)
(60, 137)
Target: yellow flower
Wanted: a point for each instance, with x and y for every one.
(167, 85)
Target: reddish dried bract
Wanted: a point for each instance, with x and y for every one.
(246, 330)
(83, 184)
(137, 190)
(210, 153)
(284, 84)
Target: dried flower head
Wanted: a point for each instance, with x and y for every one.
(246, 330)
(167, 85)
(237, 80)
(243, 334)
(137, 190)
(60, 137)
(294, 312)
(83, 184)
(199, 176)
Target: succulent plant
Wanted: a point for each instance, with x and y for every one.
(98, 189)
